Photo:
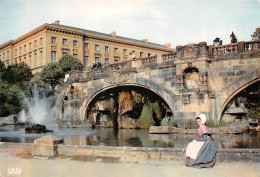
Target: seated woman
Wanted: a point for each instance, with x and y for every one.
(201, 152)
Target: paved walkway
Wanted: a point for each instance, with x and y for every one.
(66, 167)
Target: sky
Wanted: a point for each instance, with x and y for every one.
(178, 22)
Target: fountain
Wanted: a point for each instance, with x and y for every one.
(37, 110)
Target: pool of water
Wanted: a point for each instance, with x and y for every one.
(128, 137)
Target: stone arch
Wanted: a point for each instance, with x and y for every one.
(237, 86)
(164, 93)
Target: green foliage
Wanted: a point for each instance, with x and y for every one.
(146, 118)
(168, 121)
(256, 35)
(14, 80)
(68, 63)
(156, 109)
(253, 107)
(52, 74)
(16, 74)
(11, 99)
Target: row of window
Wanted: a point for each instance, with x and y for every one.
(86, 46)
(64, 42)
(29, 46)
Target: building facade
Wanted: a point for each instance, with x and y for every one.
(49, 42)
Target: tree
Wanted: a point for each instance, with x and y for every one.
(52, 74)
(68, 63)
(256, 35)
(17, 74)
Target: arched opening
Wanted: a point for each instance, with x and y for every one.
(244, 106)
(191, 78)
(127, 107)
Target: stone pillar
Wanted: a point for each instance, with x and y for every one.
(46, 146)
(240, 47)
(203, 50)
(179, 52)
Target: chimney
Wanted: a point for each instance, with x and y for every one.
(168, 45)
(145, 41)
(113, 34)
(57, 22)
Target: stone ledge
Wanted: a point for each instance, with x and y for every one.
(173, 154)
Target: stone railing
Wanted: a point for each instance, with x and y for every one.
(168, 57)
(225, 49)
(147, 60)
(251, 45)
(187, 52)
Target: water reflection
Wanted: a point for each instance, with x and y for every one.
(128, 137)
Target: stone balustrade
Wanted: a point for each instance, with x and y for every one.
(169, 57)
(148, 60)
(251, 45)
(225, 49)
(183, 53)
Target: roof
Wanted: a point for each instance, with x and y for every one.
(107, 35)
(87, 32)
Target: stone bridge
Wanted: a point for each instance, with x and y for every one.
(196, 78)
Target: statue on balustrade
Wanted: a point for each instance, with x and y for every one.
(217, 41)
(233, 38)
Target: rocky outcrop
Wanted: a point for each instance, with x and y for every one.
(37, 128)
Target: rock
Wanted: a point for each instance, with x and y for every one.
(10, 120)
(160, 129)
(37, 128)
(125, 102)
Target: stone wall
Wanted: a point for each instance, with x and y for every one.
(176, 155)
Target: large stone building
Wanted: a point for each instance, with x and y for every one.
(50, 42)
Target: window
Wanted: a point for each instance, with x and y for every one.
(96, 47)
(96, 59)
(3, 55)
(41, 58)
(30, 46)
(64, 42)
(35, 43)
(24, 48)
(86, 46)
(15, 52)
(141, 54)
(75, 55)
(7, 54)
(30, 58)
(116, 60)
(75, 43)
(24, 59)
(53, 40)
(106, 49)
(64, 53)
(106, 61)
(125, 52)
(149, 54)
(20, 50)
(53, 55)
(116, 50)
(40, 41)
(133, 54)
(35, 59)
(86, 61)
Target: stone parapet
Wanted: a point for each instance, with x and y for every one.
(153, 153)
